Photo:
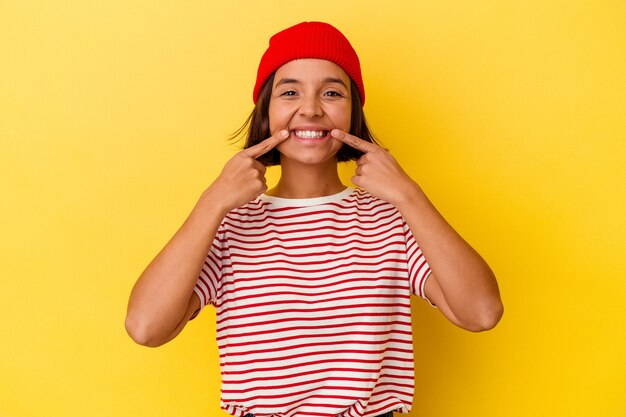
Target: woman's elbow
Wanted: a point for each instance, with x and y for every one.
(488, 318)
(141, 332)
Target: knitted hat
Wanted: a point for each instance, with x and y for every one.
(309, 40)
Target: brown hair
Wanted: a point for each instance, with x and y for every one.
(257, 126)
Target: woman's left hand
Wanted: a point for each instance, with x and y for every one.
(462, 285)
(377, 171)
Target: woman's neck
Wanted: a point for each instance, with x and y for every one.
(299, 180)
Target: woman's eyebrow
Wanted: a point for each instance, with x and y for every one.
(335, 80)
(287, 81)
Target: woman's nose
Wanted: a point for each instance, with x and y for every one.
(311, 107)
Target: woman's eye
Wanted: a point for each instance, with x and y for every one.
(289, 93)
(333, 94)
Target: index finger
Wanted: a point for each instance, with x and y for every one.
(267, 145)
(353, 141)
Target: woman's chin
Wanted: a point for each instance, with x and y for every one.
(308, 159)
(308, 155)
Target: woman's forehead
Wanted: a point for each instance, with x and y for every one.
(311, 69)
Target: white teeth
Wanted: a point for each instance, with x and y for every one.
(310, 134)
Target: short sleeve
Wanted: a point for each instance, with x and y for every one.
(418, 267)
(210, 274)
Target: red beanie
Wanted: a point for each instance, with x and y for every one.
(309, 40)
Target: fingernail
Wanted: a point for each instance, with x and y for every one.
(335, 133)
(284, 133)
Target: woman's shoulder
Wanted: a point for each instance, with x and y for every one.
(253, 208)
(363, 202)
(364, 197)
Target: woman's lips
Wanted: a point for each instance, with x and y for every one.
(310, 136)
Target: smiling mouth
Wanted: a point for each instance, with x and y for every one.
(311, 134)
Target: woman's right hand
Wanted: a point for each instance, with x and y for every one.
(243, 177)
(163, 300)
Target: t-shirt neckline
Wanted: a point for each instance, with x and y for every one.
(303, 202)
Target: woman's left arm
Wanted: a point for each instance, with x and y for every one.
(461, 283)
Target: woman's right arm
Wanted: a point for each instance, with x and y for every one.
(162, 300)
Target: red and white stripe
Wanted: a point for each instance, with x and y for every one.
(313, 307)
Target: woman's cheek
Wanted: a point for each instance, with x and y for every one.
(337, 145)
(281, 146)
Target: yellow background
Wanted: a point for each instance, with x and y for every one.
(511, 115)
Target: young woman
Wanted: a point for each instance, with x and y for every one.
(312, 279)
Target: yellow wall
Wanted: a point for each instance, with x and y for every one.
(511, 115)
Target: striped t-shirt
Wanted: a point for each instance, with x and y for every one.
(313, 308)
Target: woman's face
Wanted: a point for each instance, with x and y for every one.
(310, 97)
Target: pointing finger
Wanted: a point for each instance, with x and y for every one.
(267, 145)
(353, 141)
